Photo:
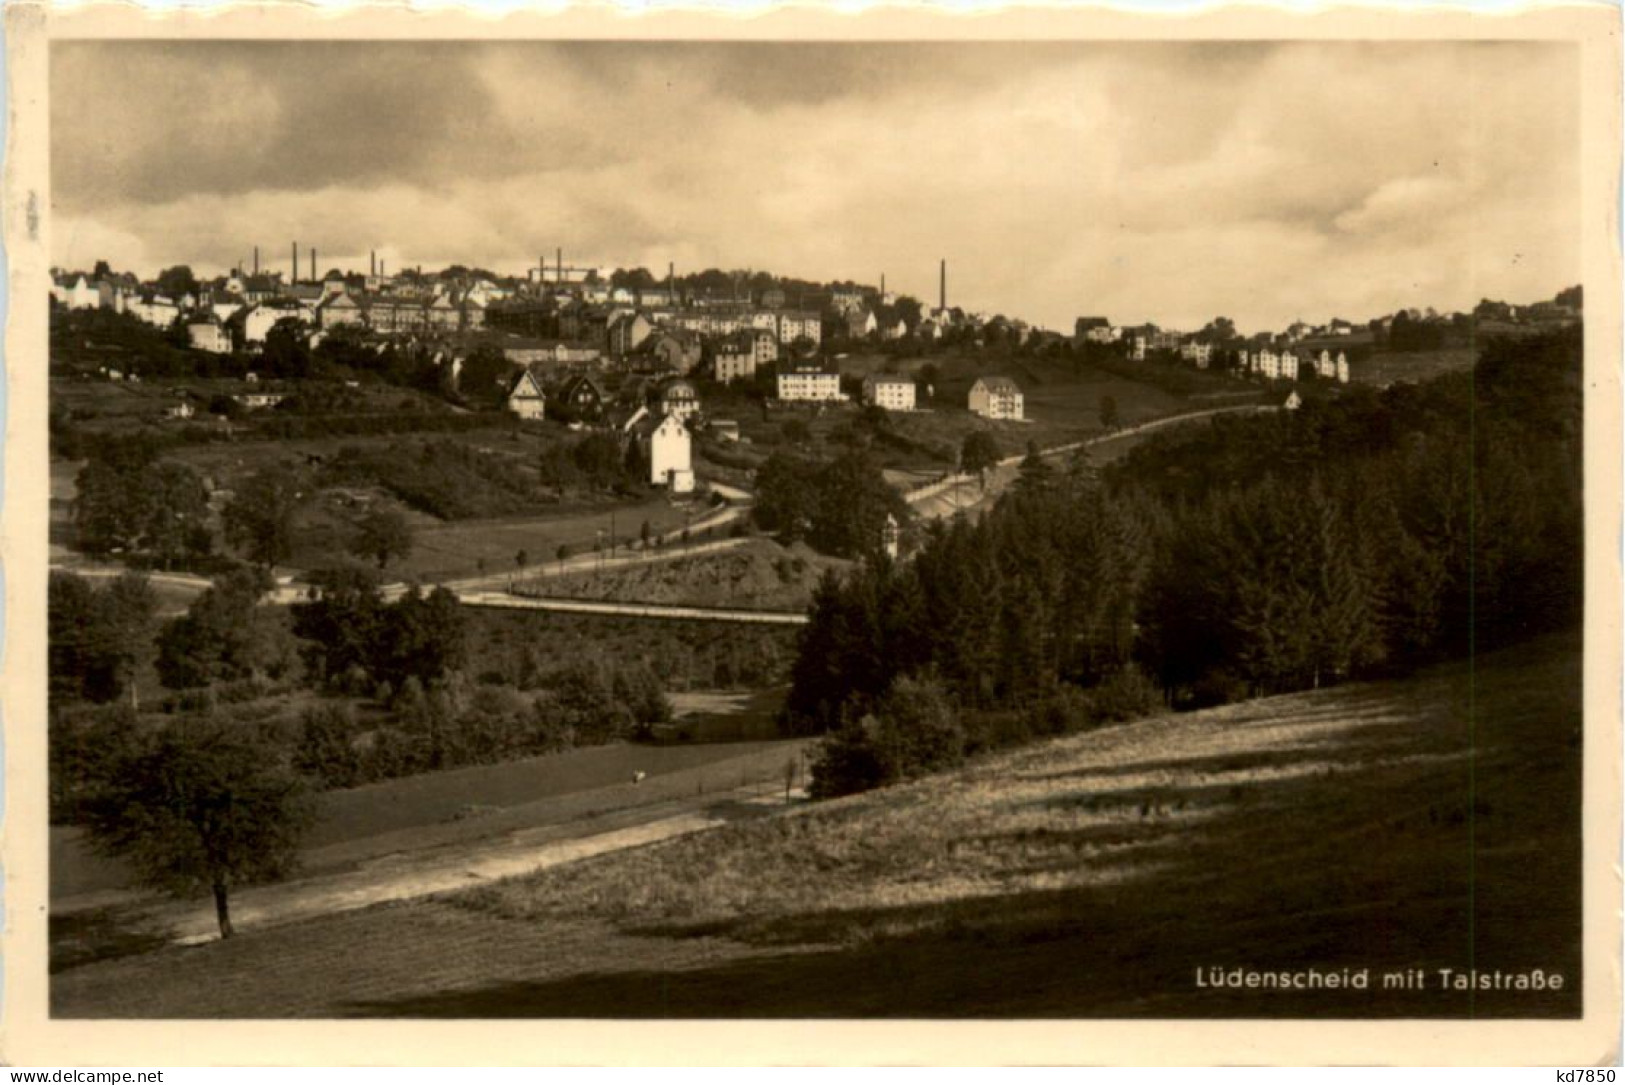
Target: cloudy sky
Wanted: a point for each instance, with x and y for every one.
(1166, 182)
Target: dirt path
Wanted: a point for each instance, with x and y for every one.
(421, 862)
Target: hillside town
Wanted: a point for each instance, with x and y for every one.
(619, 350)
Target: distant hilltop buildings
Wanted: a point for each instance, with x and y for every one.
(1324, 352)
(630, 352)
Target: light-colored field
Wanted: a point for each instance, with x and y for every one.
(444, 551)
(1428, 823)
(1414, 366)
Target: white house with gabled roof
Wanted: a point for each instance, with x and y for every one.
(997, 398)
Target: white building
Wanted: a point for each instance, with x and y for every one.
(158, 311)
(731, 362)
(78, 293)
(1201, 354)
(809, 386)
(526, 398)
(891, 392)
(209, 335)
(996, 397)
(1342, 368)
(796, 325)
(671, 461)
(765, 346)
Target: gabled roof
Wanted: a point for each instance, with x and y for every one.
(526, 386)
(1003, 385)
(575, 381)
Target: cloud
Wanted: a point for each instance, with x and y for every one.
(1146, 181)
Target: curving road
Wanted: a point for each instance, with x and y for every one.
(964, 493)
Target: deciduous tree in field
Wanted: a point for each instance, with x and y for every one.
(224, 635)
(202, 806)
(260, 518)
(1108, 412)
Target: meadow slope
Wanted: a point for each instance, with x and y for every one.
(1426, 823)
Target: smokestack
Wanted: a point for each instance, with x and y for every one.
(374, 265)
(295, 277)
(882, 286)
(313, 263)
(256, 261)
(671, 283)
(942, 287)
(560, 256)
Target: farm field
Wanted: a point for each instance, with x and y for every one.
(1430, 822)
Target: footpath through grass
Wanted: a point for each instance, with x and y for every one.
(1426, 824)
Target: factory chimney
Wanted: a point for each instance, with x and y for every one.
(560, 264)
(256, 261)
(942, 287)
(374, 264)
(313, 263)
(295, 277)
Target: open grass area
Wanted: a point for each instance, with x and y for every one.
(1428, 823)
(1413, 366)
(445, 551)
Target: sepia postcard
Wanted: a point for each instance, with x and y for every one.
(1037, 536)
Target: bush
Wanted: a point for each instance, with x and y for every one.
(916, 731)
(1216, 687)
(326, 749)
(1126, 695)
(847, 763)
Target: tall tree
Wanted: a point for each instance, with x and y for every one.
(260, 516)
(205, 805)
(176, 282)
(224, 635)
(979, 454)
(382, 535)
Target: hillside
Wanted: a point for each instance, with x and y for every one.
(1428, 823)
(762, 575)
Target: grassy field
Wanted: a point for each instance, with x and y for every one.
(445, 551)
(1431, 823)
(1413, 366)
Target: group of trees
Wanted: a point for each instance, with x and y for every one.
(840, 507)
(454, 722)
(225, 636)
(95, 635)
(129, 501)
(1354, 537)
(355, 640)
(597, 463)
